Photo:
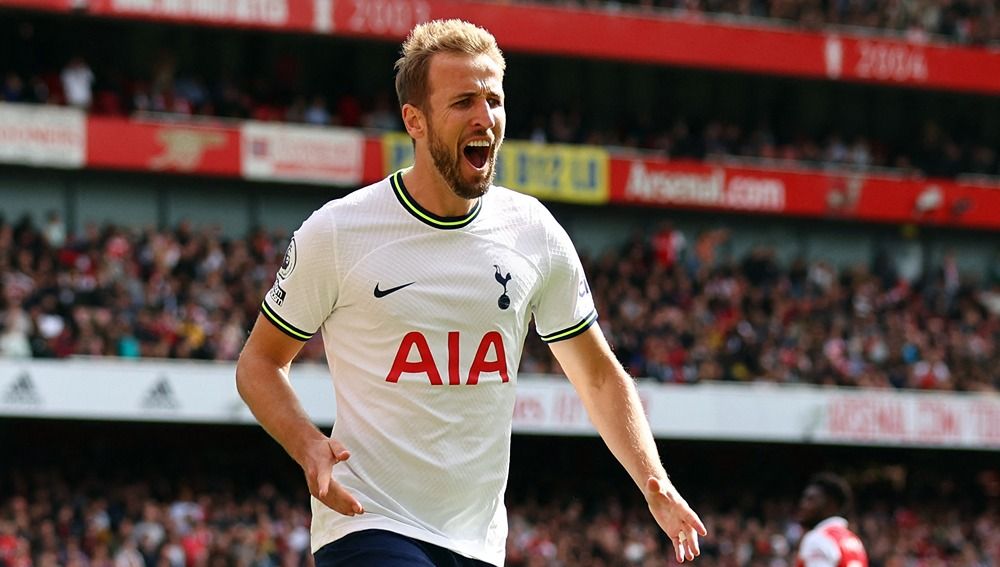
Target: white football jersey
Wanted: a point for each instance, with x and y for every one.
(423, 320)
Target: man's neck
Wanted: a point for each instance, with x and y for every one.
(432, 192)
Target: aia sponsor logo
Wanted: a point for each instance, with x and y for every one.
(414, 357)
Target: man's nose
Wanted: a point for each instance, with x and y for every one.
(483, 115)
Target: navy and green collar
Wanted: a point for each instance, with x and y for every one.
(423, 215)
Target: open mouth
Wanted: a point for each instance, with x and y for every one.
(477, 152)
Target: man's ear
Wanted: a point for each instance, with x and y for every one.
(415, 121)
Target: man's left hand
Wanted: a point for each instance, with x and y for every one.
(675, 518)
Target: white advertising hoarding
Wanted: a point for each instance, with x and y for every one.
(199, 392)
(310, 154)
(47, 136)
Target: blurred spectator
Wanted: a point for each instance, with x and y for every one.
(384, 114)
(54, 230)
(15, 326)
(296, 112)
(349, 111)
(317, 113)
(78, 83)
(667, 244)
(13, 88)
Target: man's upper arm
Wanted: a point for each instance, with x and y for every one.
(267, 343)
(586, 356)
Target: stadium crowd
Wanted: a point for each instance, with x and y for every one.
(46, 520)
(938, 153)
(674, 313)
(682, 314)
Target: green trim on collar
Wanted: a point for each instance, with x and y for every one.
(423, 215)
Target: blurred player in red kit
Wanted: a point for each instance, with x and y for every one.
(829, 542)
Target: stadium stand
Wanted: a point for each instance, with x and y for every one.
(177, 83)
(969, 22)
(159, 507)
(672, 314)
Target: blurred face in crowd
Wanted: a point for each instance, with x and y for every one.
(813, 507)
(465, 120)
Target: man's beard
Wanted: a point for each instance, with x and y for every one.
(450, 168)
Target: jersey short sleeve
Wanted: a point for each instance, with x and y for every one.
(305, 289)
(565, 306)
(817, 550)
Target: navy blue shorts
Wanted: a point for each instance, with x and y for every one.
(380, 548)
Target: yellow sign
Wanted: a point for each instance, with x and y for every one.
(574, 174)
(397, 151)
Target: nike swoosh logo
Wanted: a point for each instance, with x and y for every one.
(384, 292)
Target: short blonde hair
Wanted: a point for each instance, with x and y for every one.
(438, 36)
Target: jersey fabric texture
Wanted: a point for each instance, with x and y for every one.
(423, 320)
(831, 544)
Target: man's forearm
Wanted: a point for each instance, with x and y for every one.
(614, 407)
(612, 402)
(270, 397)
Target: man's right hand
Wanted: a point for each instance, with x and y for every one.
(318, 464)
(262, 381)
